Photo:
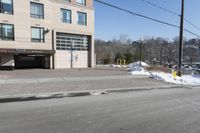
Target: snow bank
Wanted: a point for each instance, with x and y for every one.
(143, 64)
(166, 77)
(134, 67)
(139, 71)
(115, 66)
(184, 80)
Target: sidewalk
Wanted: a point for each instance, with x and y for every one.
(55, 82)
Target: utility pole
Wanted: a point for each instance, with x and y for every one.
(141, 43)
(181, 39)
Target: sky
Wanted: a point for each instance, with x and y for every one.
(110, 22)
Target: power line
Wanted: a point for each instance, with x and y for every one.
(137, 14)
(160, 7)
(146, 17)
(170, 11)
(192, 24)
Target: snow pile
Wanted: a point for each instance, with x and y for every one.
(139, 71)
(184, 80)
(143, 64)
(136, 66)
(115, 66)
(135, 69)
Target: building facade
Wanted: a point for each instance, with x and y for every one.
(46, 34)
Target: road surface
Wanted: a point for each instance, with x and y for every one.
(155, 111)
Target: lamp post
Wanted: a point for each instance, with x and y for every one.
(181, 39)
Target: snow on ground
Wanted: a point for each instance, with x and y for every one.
(135, 69)
(143, 64)
(139, 71)
(183, 80)
(117, 66)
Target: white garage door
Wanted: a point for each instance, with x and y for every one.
(71, 51)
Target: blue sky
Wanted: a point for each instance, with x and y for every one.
(110, 23)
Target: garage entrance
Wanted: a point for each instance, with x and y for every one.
(31, 61)
(72, 51)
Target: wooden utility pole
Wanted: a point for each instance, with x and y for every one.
(141, 43)
(181, 39)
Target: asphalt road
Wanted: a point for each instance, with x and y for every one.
(155, 111)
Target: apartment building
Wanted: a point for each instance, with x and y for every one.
(46, 34)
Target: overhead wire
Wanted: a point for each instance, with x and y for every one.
(170, 11)
(144, 16)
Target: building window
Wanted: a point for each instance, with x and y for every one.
(37, 34)
(6, 6)
(82, 18)
(81, 2)
(37, 10)
(66, 16)
(6, 32)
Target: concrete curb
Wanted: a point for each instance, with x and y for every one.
(18, 98)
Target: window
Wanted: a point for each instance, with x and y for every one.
(82, 18)
(37, 34)
(71, 42)
(6, 32)
(81, 2)
(6, 6)
(65, 16)
(37, 10)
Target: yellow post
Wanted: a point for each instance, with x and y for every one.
(117, 61)
(120, 62)
(124, 62)
(174, 73)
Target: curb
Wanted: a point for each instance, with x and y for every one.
(18, 98)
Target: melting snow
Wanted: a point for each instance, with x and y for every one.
(135, 69)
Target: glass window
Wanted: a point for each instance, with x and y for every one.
(37, 10)
(6, 6)
(37, 34)
(65, 16)
(71, 42)
(82, 18)
(6, 32)
(82, 2)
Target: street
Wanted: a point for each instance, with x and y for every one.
(155, 111)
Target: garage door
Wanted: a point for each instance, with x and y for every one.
(71, 51)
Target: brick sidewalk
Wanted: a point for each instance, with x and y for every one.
(48, 81)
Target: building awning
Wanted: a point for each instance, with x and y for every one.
(26, 51)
